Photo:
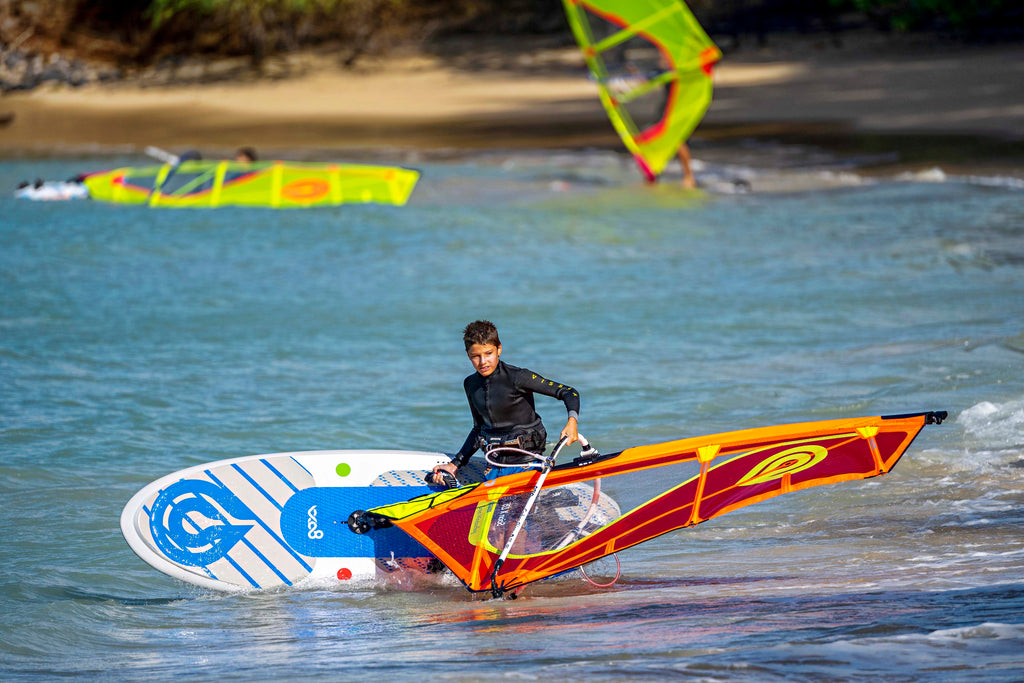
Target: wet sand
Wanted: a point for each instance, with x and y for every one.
(867, 95)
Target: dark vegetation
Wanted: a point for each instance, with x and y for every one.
(137, 32)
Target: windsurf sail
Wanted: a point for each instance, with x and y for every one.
(652, 63)
(680, 483)
(275, 184)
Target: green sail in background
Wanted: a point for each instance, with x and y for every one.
(681, 56)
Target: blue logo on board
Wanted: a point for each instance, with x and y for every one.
(191, 522)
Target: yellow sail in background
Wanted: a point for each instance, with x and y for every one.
(275, 184)
(685, 57)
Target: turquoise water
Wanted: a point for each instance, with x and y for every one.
(134, 343)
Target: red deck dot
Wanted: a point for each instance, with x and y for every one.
(344, 574)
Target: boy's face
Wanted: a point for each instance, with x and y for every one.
(484, 357)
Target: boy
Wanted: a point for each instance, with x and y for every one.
(501, 400)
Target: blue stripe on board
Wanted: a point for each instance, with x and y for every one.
(298, 558)
(242, 571)
(302, 466)
(280, 476)
(266, 560)
(255, 485)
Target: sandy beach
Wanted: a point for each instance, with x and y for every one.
(807, 89)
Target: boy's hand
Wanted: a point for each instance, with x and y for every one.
(571, 431)
(447, 467)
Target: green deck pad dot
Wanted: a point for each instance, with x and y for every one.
(343, 469)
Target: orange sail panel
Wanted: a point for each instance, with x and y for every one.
(574, 522)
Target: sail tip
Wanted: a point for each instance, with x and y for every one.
(645, 168)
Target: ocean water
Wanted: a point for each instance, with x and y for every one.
(137, 342)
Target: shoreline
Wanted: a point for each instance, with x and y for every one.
(918, 106)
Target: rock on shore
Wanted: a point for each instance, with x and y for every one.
(23, 70)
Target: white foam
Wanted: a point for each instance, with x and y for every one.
(937, 175)
(985, 630)
(845, 178)
(996, 425)
(931, 175)
(995, 181)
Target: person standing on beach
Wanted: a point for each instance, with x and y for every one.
(689, 181)
(501, 400)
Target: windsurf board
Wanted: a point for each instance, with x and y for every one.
(264, 521)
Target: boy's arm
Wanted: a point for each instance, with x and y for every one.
(563, 392)
(469, 446)
(531, 381)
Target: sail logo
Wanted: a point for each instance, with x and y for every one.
(788, 462)
(196, 522)
(306, 189)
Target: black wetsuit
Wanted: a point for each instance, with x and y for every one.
(502, 407)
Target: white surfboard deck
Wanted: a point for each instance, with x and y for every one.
(264, 521)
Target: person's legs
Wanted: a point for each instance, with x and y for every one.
(689, 182)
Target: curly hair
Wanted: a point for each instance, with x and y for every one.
(480, 332)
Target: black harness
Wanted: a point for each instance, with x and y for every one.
(532, 437)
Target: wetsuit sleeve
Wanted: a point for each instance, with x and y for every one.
(469, 447)
(531, 381)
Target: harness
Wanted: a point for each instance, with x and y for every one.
(532, 438)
